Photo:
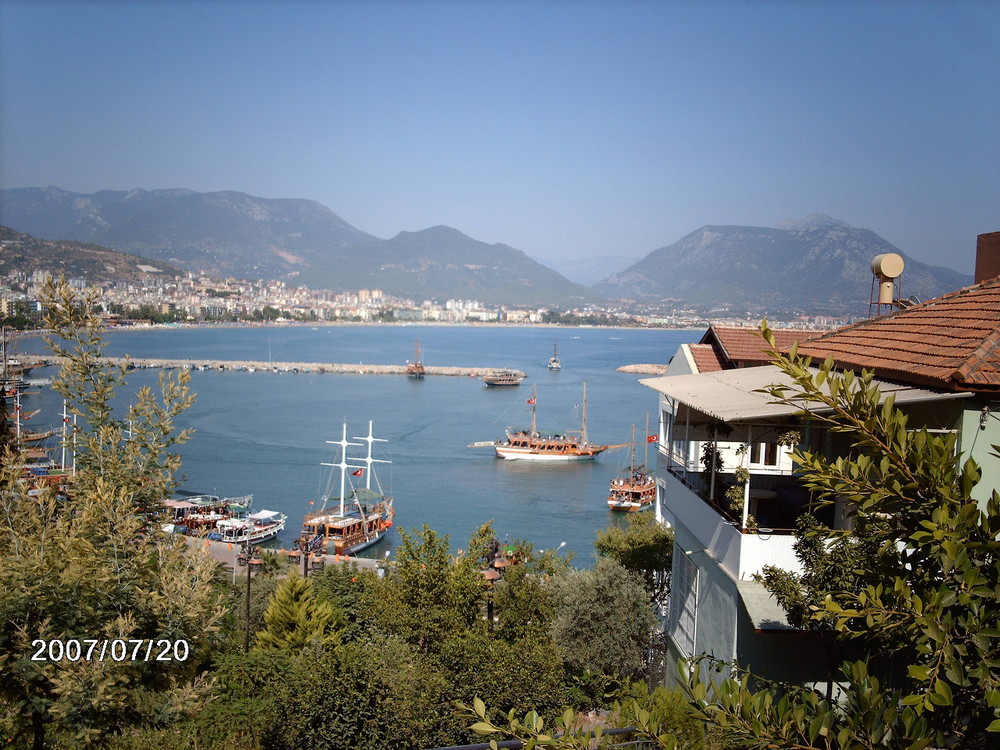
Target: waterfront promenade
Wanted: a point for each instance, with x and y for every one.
(225, 554)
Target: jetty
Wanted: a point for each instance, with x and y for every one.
(361, 368)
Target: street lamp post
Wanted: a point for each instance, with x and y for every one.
(244, 560)
(493, 573)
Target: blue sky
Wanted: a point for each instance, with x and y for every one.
(565, 129)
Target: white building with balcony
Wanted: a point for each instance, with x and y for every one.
(941, 362)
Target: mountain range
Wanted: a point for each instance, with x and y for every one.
(818, 265)
(231, 234)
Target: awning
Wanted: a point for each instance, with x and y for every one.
(260, 515)
(764, 610)
(179, 504)
(732, 395)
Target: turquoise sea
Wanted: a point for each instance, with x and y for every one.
(264, 433)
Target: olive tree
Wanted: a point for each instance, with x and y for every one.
(87, 570)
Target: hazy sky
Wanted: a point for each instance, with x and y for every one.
(561, 128)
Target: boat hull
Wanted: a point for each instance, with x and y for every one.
(631, 497)
(529, 454)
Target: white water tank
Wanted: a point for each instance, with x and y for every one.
(887, 267)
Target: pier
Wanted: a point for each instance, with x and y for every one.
(249, 366)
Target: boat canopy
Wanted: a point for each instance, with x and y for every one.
(361, 494)
(262, 515)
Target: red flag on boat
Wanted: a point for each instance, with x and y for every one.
(531, 400)
(651, 438)
(357, 473)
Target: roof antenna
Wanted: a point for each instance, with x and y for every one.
(887, 268)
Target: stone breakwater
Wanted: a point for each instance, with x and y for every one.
(361, 368)
(646, 369)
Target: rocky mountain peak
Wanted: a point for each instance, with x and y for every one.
(813, 222)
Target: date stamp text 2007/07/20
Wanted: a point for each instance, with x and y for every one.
(104, 649)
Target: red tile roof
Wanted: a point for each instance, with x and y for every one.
(706, 358)
(744, 347)
(951, 342)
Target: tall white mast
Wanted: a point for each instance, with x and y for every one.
(368, 460)
(343, 465)
(583, 427)
(65, 421)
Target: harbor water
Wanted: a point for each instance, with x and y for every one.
(264, 433)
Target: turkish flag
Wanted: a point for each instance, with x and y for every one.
(651, 438)
(357, 473)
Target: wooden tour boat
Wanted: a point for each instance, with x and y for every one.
(503, 377)
(415, 369)
(361, 516)
(532, 445)
(634, 488)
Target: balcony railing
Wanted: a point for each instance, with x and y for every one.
(741, 554)
(774, 502)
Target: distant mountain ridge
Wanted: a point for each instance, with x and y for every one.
(589, 271)
(234, 234)
(817, 265)
(222, 234)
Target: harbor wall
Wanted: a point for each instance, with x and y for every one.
(361, 368)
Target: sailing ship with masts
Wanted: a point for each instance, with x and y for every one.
(532, 445)
(554, 362)
(359, 516)
(415, 369)
(634, 488)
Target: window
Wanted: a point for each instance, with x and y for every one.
(764, 454)
(684, 602)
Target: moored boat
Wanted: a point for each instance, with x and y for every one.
(361, 516)
(634, 488)
(253, 529)
(222, 519)
(503, 377)
(415, 369)
(554, 361)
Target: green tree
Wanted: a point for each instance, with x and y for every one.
(830, 563)
(603, 621)
(929, 596)
(334, 700)
(644, 546)
(428, 597)
(91, 568)
(517, 676)
(131, 453)
(295, 620)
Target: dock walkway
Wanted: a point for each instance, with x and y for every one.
(225, 554)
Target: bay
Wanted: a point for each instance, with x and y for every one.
(265, 433)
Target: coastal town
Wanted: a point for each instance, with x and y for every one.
(201, 299)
